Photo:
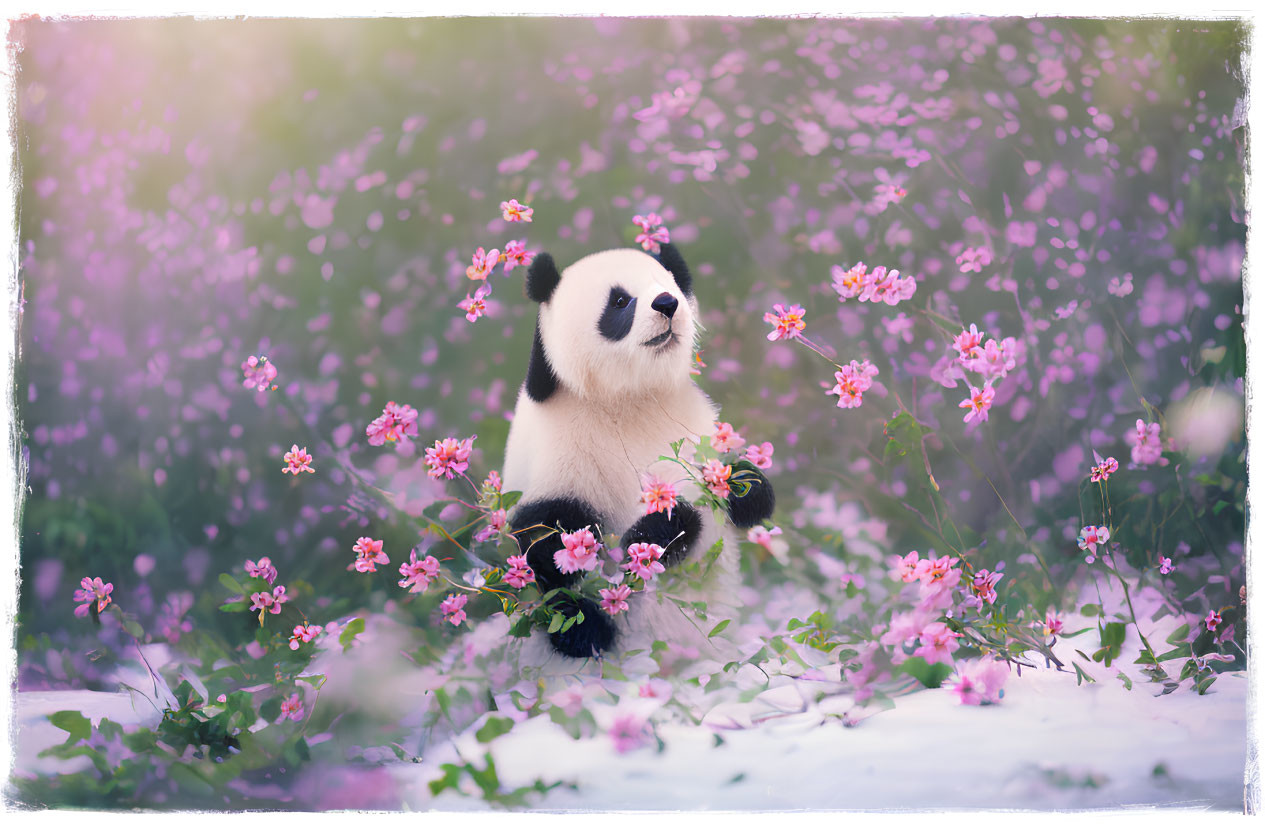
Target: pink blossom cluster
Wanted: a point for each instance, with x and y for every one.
(760, 455)
(303, 634)
(852, 381)
(519, 575)
(1103, 470)
(1089, 539)
(979, 681)
(716, 476)
(291, 708)
(653, 233)
(579, 552)
(395, 423)
(297, 460)
(937, 579)
(974, 259)
(449, 457)
(512, 211)
(259, 373)
(453, 608)
(270, 602)
(787, 322)
(643, 560)
(496, 522)
(418, 573)
(993, 359)
(658, 496)
(983, 588)
(263, 570)
(1145, 440)
(726, 439)
(368, 555)
(615, 599)
(92, 590)
(878, 285)
(483, 262)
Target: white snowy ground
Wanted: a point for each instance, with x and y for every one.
(1050, 745)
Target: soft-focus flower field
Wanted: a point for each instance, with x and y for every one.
(971, 292)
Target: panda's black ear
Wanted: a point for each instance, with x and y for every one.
(670, 258)
(541, 381)
(542, 278)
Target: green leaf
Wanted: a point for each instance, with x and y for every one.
(493, 728)
(234, 607)
(73, 723)
(1091, 610)
(931, 676)
(231, 583)
(1178, 636)
(315, 680)
(270, 710)
(353, 629)
(1128, 683)
(723, 624)
(555, 624)
(521, 627)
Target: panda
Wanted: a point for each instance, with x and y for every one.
(608, 390)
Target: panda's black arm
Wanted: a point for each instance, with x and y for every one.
(757, 501)
(535, 527)
(676, 535)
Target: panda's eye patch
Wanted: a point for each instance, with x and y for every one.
(617, 317)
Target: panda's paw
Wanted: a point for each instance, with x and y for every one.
(676, 535)
(756, 502)
(535, 526)
(591, 637)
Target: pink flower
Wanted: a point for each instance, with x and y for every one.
(303, 634)
(978, 404)
(787, 322)
(297, 460)
(1053, 625)
(476, 306)
(368, 555)
(932, 570)
(726, 439)
(979, 682)
(994, 361)
(395, 423)
(967, 343)
(519, 575)
(1120, 287)
(1104, 470)
(449, 456)
(493, 481)
(849, 283)
(516, 253)
(452, 606)
(938, 644)
(263, 570)
(579, 552)
(1145, 440)
(643, 560)
(496, 523)
(482, 264)
(905, 569)
(716, 476)
(761, 455)
(652, 233)
(973, 259)
(512, 211)
(1166, 566)
(92, 590)
(763, 536)
(1090, 538)
(615, 599)
(658, 496)
(983, 585)
(1213, 620)
(270, 602)
(418, 573)
(853, 380)
(259, 373)
(292, 708)
(629, 732)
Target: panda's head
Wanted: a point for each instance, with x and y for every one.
(616, 324)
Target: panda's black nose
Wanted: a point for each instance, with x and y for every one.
(665, 304)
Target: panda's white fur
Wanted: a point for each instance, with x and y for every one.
(617, 407)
